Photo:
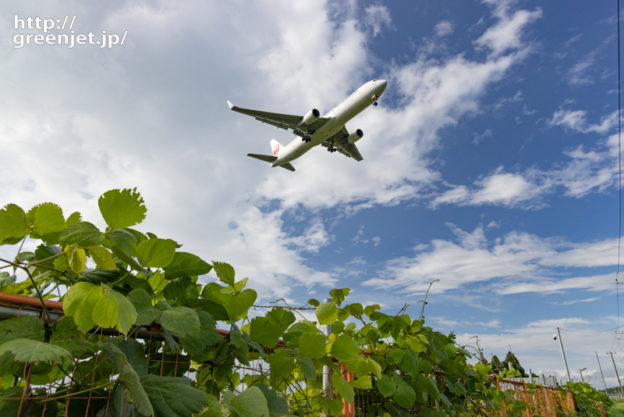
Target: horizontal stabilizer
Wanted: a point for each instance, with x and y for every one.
(288, 166)
(265, 158)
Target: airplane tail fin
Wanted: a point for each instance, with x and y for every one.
(276, 147)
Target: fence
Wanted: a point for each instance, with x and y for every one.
(90, 387)
(543, 401)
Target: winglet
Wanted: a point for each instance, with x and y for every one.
(230, 105)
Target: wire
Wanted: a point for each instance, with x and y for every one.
(617, 275)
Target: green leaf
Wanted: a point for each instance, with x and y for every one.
(13, 223)
(345, 348)
(278, 406)
(327, 313)
(225, 272)
(79, 303)
(73, 218)
(135, 354)
(123, 240)
(156, 253)
(343, 388)
(6, 279)
(197, 343)
(307, 367)
(386, 386)
(34, 351)
(173, 397)
(339, 294)
(404, 395)
(122, 208)
(250, 403)
(77, 259)
(146, 313)
(181, 321)
(102, 258)
(282, 364)
(265, 331)
(158, 282)
(28, 327)
(281, 317)
(186, 265)
(363, 382)
(114, 310)
(239, 304)
(81, 234)
(312, 345)
(48, 218)
(128, 377)
(314, 302)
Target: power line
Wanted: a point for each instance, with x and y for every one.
(617, 274)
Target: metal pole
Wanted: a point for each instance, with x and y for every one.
(565, 362)
(601, 374)
(581, 373)
(530, 376)
(617, 374)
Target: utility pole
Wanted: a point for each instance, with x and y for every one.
(601, 374)
(581, 373)
(565, 362)
(617, 374)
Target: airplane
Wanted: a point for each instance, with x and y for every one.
(312, 130)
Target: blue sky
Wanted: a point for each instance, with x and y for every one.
(490, 163)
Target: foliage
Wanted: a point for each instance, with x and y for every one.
(588, 400)
(116, 280)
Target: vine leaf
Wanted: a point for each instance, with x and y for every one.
(122, 208)
(225, 272)
(13, 223)
(156, 253)
(29, 350)
(91, 304)
(249, 403)
(171, 396)
(47, 218)
(312, 345)
(185, 265)
(343, 388)
(21, 327)
(345, 348)
(128, 377)
(327, 313)
(102, 258)
(265, 331)
(181, 321)
(83, 234)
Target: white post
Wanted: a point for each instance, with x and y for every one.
(565, 362)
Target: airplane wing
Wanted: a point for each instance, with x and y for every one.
(342, 145)
(283, 121)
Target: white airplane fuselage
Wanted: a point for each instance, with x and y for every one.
(360, 99)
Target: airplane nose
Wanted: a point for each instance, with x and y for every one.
(382, 84)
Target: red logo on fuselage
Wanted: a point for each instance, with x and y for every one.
(276, 150)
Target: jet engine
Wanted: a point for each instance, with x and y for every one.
(309, 117)
(355, 136)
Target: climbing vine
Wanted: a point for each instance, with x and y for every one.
(116, 281)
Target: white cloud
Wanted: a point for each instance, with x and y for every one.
(443, 28)
(507, 32)
(582, 173)
(377, 17)
(511, 264)
(576, 120)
